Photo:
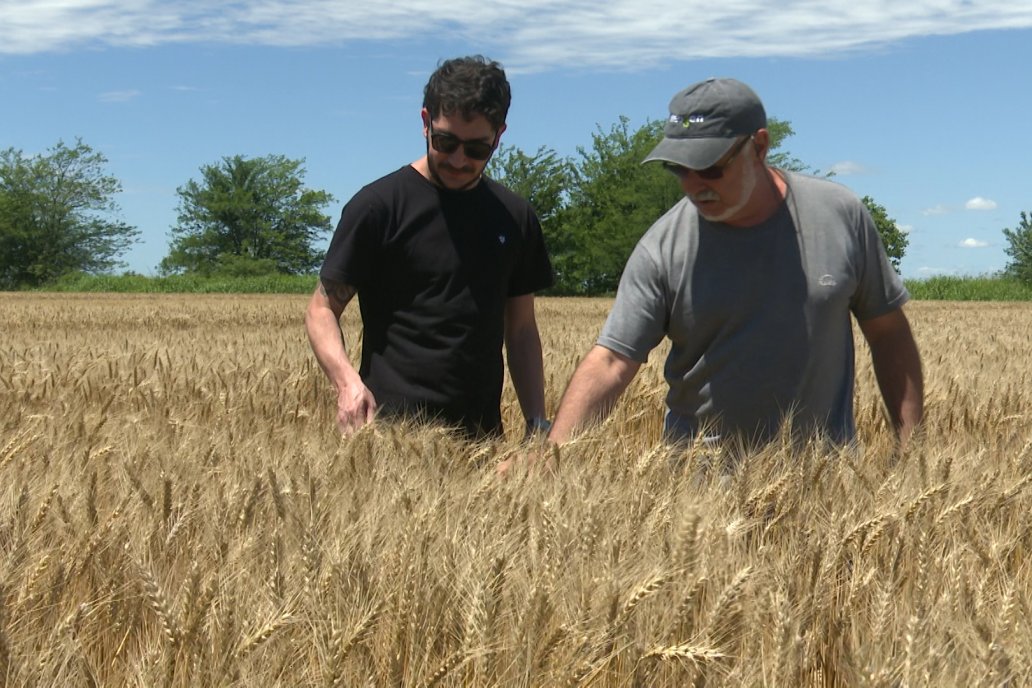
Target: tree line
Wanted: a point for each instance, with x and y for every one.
(255, 216)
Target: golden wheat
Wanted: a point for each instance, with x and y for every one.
(177, 509)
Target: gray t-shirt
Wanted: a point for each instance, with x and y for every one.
(758, 317)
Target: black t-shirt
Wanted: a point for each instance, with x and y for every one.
(433, 269)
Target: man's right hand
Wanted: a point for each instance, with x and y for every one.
(356, 407)
(541, 456)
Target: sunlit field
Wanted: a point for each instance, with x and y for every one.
(178, 509)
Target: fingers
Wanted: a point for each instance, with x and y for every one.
(538, 460)
(353, 412)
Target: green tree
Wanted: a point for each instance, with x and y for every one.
(613, 200)
(893, 238)
(1020, 249)
(594, 209)
(248, 216)
(780, 130)
(542, 178)
(54, 216)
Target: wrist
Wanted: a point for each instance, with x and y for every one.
(538, 426)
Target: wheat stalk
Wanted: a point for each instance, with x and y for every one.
(262, 635)
(44, 509)
(343, 645)
(722, 621)
(926, 496)
(644, 590)
(158, 602)
(450, 663)
(695, 654)
(14, 447)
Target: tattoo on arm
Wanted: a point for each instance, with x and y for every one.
(338, 293)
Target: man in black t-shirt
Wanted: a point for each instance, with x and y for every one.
(445, 263)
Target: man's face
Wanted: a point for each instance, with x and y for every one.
(457, 170)
(725, 199)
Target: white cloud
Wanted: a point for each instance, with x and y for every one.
(848, 167)
(524, 34)
(118, 96)
(973, 243)
(979, 203)
(936, 210)
(906, 229)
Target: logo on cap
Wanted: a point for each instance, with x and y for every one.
(688, 121)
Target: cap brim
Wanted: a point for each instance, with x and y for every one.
(695, 154)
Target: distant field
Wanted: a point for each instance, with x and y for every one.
(934, 288)
(176, 509)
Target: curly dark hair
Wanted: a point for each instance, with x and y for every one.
(469, 86)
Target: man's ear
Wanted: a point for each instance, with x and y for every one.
(761, 142)
(498, 136)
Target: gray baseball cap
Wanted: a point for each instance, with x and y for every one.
(705, 120)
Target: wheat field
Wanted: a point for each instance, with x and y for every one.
(177, 509)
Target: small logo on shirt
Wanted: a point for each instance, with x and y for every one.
(827, 281)
(501, 239)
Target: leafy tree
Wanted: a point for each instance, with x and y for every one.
(893, 238)
(1020, 249)
(779, 130)
(543, 178)
(614, 199)
(594, 209)
(248, 216)
(52, 216)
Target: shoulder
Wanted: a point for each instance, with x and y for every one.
(821, 190)
(393, 194)
(400, 180)
(676, 226)
(508, 197)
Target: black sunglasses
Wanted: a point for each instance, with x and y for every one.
(449, 143)
(713, 171)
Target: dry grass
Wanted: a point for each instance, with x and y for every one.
(177, 510)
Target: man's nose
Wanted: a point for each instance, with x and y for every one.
(457, 158)
(691, 183)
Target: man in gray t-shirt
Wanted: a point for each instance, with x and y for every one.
(752, 276)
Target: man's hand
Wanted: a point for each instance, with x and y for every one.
(356, 407)
(542, 456)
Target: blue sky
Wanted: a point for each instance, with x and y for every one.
(923, 104)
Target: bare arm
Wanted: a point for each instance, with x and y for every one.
(897, 366)
(523, 350)
(597, 383)
(355, 403)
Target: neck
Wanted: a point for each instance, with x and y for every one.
(768, 193)
(424, 167)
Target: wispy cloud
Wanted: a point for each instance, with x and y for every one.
(118, 96)
(906, 229)
(526, 35)
(936, 210)
(979, 203)
(847, 168)
(973, 243)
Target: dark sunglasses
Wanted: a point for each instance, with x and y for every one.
(713, 171)
(449, 143)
